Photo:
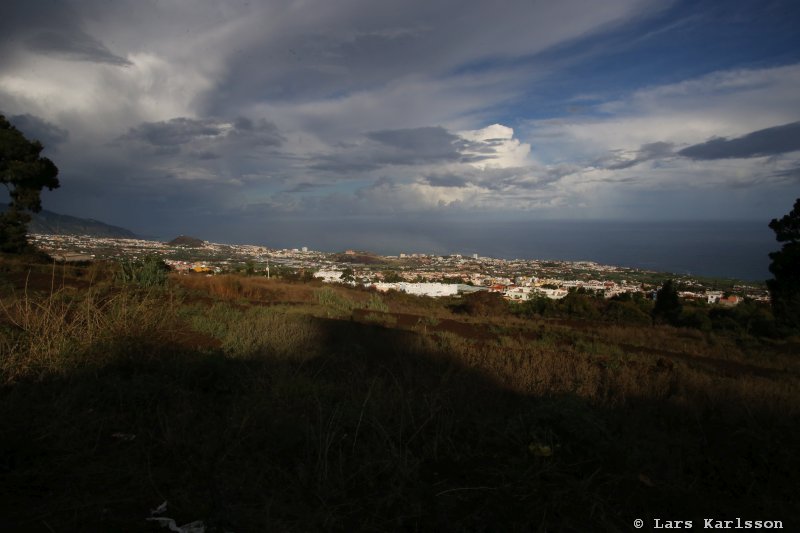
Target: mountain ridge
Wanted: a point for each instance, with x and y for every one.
(50, 222)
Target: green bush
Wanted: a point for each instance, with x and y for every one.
(626, 312)
(269, 331)
(484, 304)
(536, 306)
(376, 303)
(695, 318)
(333, 300)
(579, 306)
(723, 320)
(151, 272)
(667, 308)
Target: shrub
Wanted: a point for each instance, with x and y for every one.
(151, 272)
(626, 312)
(579, 306)
(484, 304)
(695, 318)
(667, 308)
(376, 303)
(536, 306)
(335, 301)
(723, 319)
(269, 331)
(61, 331)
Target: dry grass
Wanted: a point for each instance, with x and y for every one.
(599, 371)
(231, 287)
(300, 418)
(64, 330)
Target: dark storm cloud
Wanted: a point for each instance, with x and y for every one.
(205, 155)
(512, 179)
(790, 175)
(647, 152)
(342, 164)
(305, 187)
(419, 145)
(182, 130)
(51, 28)
(446, 180)
(410, 146)
(175, 131)
(766, 142)
(435, 139)
(501, 179)
(77, 46)
(38, 129)
(260, 132)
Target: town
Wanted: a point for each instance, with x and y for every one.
(415, 273)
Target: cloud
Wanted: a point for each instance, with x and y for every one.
(407, 147)
(789, 174)
(491, 147)
(494, 147)
(354, 92)
(206, 155)
(421, 144)
(766, 142)
(176, 131)
(342, 48)
(54, 29)
(647, 152)
(35, 128)
(725, 104)
(74, 46)
(656, 140)
(183, 131)
(446, 180)
(305, 187)
(362, 107)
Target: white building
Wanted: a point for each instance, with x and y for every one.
(713, 297)
(420, 289)
(553, 294)
(329, 276)
(518, 294)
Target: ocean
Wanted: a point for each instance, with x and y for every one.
(717, 249)
(727, 249)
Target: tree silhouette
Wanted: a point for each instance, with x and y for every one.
(24, 173)
(348, 275)
(668, 306)
(784, 288)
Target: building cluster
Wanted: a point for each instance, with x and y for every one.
(416, 273)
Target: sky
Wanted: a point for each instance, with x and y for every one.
(234, 120)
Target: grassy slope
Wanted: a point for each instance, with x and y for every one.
(262, 405)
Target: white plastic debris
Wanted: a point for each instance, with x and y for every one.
(160, 509)
(192, 527)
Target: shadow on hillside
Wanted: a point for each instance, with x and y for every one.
(383, 431)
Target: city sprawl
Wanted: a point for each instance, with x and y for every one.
(415, 273)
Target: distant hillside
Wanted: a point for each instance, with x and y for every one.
(364, 258)
(185, 240)
(56, 224)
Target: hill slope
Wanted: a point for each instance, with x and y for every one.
(185, 240)
(57, 224)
